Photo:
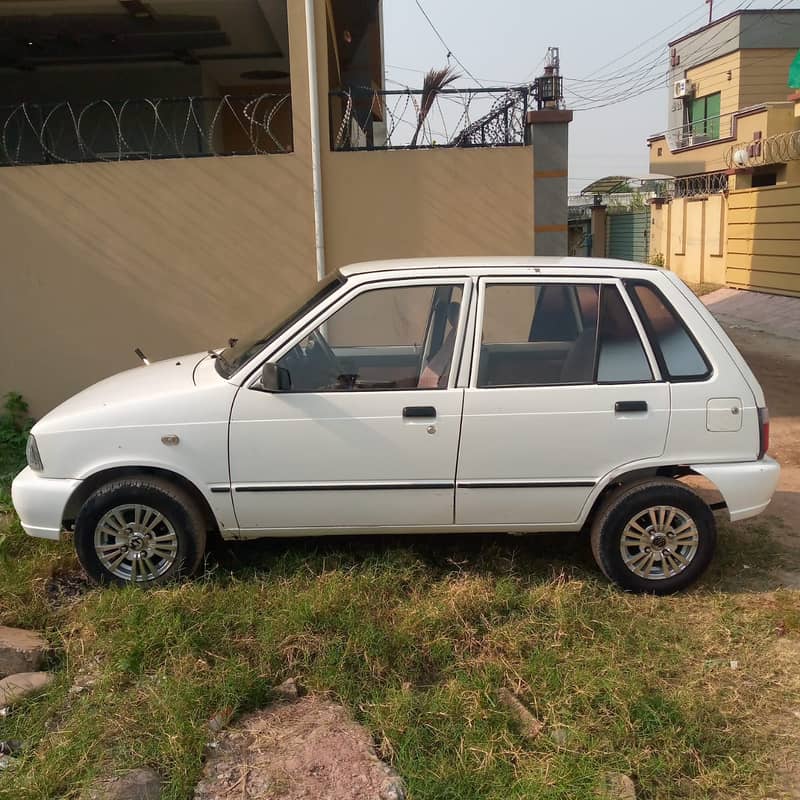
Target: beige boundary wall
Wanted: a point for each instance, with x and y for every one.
(764, 239)
(176, 256)
(749, 239)
(690, 236)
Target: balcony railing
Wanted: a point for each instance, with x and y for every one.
(122, 130)
(699, 132)
(367, 119)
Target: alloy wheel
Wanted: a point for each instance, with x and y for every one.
(659, 542)
(136, 543)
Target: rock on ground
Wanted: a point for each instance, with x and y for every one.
(16, 687)
(530, 727)
(309, 749)
(138, 784)
(20, 651)
(617, 786)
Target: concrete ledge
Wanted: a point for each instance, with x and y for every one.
(549, 116)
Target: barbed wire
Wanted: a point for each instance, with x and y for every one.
(777, 149)
(371, 119)
(694, 185)
(120, 130)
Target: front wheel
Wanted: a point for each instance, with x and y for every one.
(141, 531)
(656, 537)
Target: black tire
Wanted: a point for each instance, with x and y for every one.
(179, 511)
(622, 507)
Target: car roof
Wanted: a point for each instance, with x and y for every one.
(492, 262)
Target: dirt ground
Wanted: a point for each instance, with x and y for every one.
(309, 749)
(776, 363)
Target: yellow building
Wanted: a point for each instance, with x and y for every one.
(733, 146)
(158, 187)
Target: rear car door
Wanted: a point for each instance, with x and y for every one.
(563, 389)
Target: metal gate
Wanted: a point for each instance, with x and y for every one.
(629, 235)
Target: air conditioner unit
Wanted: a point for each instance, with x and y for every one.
(682, 88)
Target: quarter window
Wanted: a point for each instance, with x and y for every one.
(680, 357)
(393, 338)
(558, 333)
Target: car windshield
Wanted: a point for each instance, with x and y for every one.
(232, 359)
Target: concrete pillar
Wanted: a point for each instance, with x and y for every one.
(599, 219)
(549, 134)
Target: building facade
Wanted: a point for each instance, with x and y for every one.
(156, 184)
(732, 146)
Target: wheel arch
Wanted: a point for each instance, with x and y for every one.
(94, 481)
(620, 482)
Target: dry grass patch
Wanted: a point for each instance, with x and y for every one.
(415, 636)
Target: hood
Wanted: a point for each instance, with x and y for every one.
(145, 384)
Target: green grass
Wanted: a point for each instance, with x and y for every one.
(415, 635)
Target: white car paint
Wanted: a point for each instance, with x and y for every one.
(350, 462)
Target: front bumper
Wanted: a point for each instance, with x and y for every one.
(746, 487)
(40, 502)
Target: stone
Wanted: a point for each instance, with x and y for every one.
(20, 651)
(287, 690)
(393, 788)
(616, 786)
(17, 687)
(530, 727)
(310, 748)
(138, 784)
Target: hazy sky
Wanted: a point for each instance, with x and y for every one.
(503, 42)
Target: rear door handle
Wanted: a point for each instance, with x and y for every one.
(629, 406)
(419, 412)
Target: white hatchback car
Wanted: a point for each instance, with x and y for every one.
(452, 395)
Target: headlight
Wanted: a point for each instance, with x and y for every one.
(32, 454)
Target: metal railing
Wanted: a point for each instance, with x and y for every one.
(701, 185)
(121, 130)
(699, 132)
(367, 119)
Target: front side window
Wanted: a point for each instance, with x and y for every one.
(558, 333)
(400, 337)
(680, 357)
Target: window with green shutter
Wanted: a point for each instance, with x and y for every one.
(705, 112)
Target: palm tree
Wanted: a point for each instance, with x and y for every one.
(435, 81)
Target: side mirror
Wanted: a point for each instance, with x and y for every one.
(275, 378)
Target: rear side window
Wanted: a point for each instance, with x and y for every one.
(620, 355)
(548, 334)
(678, 354)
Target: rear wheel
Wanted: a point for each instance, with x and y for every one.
(141, 531)
(657, 536)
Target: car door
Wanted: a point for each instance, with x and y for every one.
(563, 389)
(367, 435)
